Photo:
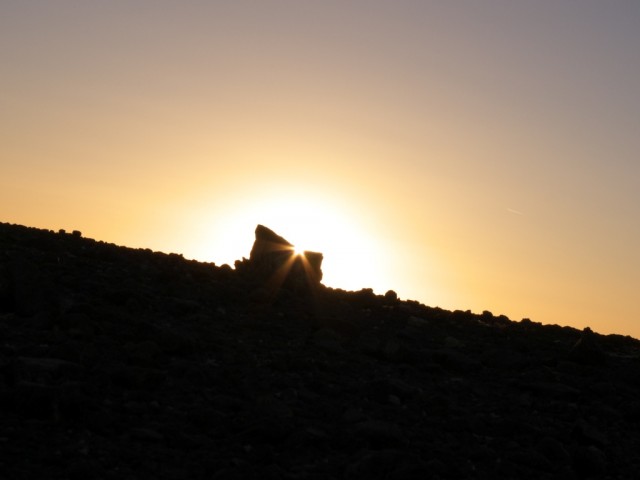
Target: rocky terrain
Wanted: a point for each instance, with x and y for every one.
(118, 363)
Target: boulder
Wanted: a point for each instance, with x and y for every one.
(274, 263)
(269, 245)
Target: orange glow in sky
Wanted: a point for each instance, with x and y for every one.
(469, 155)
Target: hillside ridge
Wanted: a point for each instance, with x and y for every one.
(127, 363)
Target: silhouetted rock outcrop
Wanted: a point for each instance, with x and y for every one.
(269, 247)
(117, 363)
(274, 263)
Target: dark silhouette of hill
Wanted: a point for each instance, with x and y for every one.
(117, 363)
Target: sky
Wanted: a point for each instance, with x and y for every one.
(479, 155)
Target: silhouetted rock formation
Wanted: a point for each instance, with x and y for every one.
(269, 245)
(274, 263)
(117, 363)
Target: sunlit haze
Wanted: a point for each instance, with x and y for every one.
(469, 155)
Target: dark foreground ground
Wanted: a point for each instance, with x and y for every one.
(127, 364)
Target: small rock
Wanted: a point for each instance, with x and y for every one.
(589, 434)
(391, 296)
(589, 462)
(34, 400)
(146, 434)
(389, 465)
(327, 339)
(353, 415)
(381, 434)
(587, 350)
(417, 322)
(554, 450)
(453, 342)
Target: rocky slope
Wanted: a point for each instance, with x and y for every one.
(118, 363)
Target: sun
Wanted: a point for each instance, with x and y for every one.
(352, 257)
